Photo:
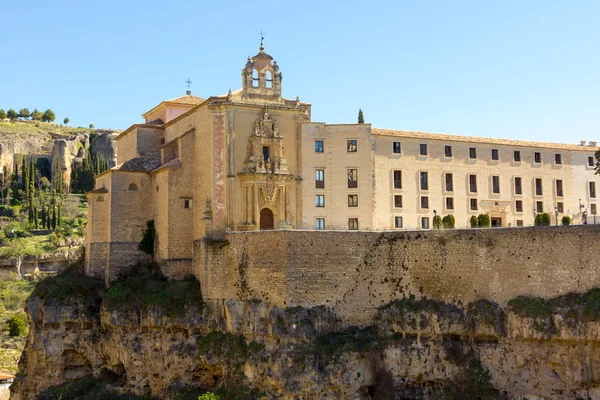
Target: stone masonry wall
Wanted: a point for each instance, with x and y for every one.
(356, 272)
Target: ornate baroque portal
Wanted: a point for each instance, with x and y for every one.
(265, 178)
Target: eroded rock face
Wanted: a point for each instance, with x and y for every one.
(105, 146)
(414, 349)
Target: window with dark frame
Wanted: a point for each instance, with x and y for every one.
(590, 161)
(423, 149)
(320, 223)
(517, 156)
(353, 224)
(495, 155)
(496, 184)
(473, 204)
(397, 222)
(352, 200)
(397, 179)
(560, 207)
(398, 201)
(593, 209)
(472, 153)
(593, 190)
(186, 203)
(519, 205)
(424, 181)
(559, 188)
(449, 182)
(473, 183)
(558, 159)
(352, 146)
(424, 222)
(448, 151)
(519, 222)
(449, 203)
(319, 178)
(537, 157)
(352, 178)
(538, 187)
(397, 149)
(424, 202)
(539, 206)
(320, 200)
(518, 185)
(318, 146)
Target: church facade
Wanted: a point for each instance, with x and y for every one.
(253, 160)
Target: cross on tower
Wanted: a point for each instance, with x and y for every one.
(189, 83)
(262, 37)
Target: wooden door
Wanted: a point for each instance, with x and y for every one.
(266, 219)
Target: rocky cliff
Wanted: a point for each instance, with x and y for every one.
(151, 337)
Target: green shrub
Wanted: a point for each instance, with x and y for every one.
(437, 222)
(449, 222)
(566, 220)
(208, 396)
(147, 243)
(474, 222)
(478, 383)
(484, 220)
(17, 326)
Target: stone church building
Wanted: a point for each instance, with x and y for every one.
(253, 160)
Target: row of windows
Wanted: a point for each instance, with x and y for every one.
(352, 223)
(352, 175)
(352, 147)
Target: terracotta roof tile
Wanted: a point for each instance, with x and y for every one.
(474, 139)
(187, 99)
(146, 163)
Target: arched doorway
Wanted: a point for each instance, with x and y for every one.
(266, 219)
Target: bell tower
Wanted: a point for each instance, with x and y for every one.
(261, 78)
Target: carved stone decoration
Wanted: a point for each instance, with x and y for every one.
(266, 134)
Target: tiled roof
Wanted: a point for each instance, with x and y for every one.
(187, 99)
(99, 190)
(171, 164)
(146, 163)
(473, 139)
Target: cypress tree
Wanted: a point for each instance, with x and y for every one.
(361, 117)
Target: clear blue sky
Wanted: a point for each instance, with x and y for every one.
(515, 69)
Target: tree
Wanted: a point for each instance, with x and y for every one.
(12, 114)
(474, 221)
(66, 121)
(48, 116)
(91, 126)
(448, 222)
(484, 220)
(147, 243)
(2, 114)
(36, 115)
(566, 220)
(361, 117)
(437, 222)
(24, 113)
(17, 326)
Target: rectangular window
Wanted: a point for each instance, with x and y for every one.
(398, 201)
(352, 146)
(473, 183)
(472, 153)
(352, 200)
(560, 207)
(558, 159)
(449, 203)
(590, 161)
(449, 183)
(593, 209)
(397, 222)
(517, 156)
(319, 178)
(537, 157)
(495, 155)
(519, 222)
(319, 200)
(593, 190)
(353, 224)
(424, 222)
(448, 151)
(559, 188)
(424, 181)
(352, 178)
(539, 206)
(518, 186)
(186, 203)
(473, 204)
(266, 153)
(318, 146)
(396, 147)
(320, 223)
(423, 149)
(397, 179)
(519, 205)
(538, 187)
(496, 184)
(424, 202)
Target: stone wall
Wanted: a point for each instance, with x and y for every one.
(356, 272)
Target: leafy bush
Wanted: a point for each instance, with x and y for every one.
(478, 383)
(2, 114)
(14, 292)
(208, 396)
(474, 221)
(437, 222)
(449, 222)
(17, 325)
(86, 388)
(566, 220)
(542, 219)
(484, 220)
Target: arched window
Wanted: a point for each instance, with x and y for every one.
(269, 79)
(100, 198)
(133, 187)
(254, 78)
